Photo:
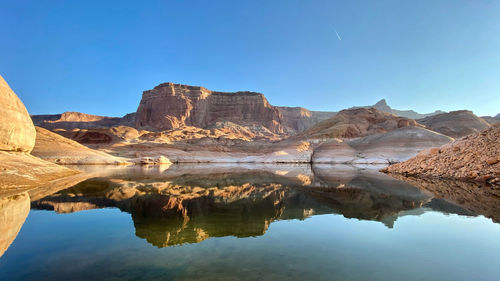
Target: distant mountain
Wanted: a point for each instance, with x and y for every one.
(492, 119)
(455, 124)
(382, 106)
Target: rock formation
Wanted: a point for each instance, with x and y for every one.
(455, 124)
(353, 123)
(60, 150)
(17, 132)
(474, 157)
(170, 106)
(18, 169)
(71, 120)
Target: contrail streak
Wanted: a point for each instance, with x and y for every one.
(338, 36)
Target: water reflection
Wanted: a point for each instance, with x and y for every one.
(13, 212)
(188, 204)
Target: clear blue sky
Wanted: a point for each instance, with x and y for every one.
(98, 56)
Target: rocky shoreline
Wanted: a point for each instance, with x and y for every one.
(474, 157)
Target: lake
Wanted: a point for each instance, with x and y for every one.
(251, 222)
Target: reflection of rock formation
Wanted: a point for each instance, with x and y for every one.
(176, 207)
(13, 213)
(476, 197)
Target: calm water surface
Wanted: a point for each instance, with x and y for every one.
(250, 223)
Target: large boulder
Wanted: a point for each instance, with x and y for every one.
(18, 169)
(17, 132)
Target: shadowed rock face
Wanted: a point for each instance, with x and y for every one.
(175, 207)
(17, 132)
(170, 106)
(13, 212)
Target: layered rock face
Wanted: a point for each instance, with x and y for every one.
(353, 123)
(170, 106)
(474, 157)
(455, 124)
(71, 120)
(17, 132)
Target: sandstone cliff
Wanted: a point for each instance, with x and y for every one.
(455, 124)
(474, 157)
(170, 106)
